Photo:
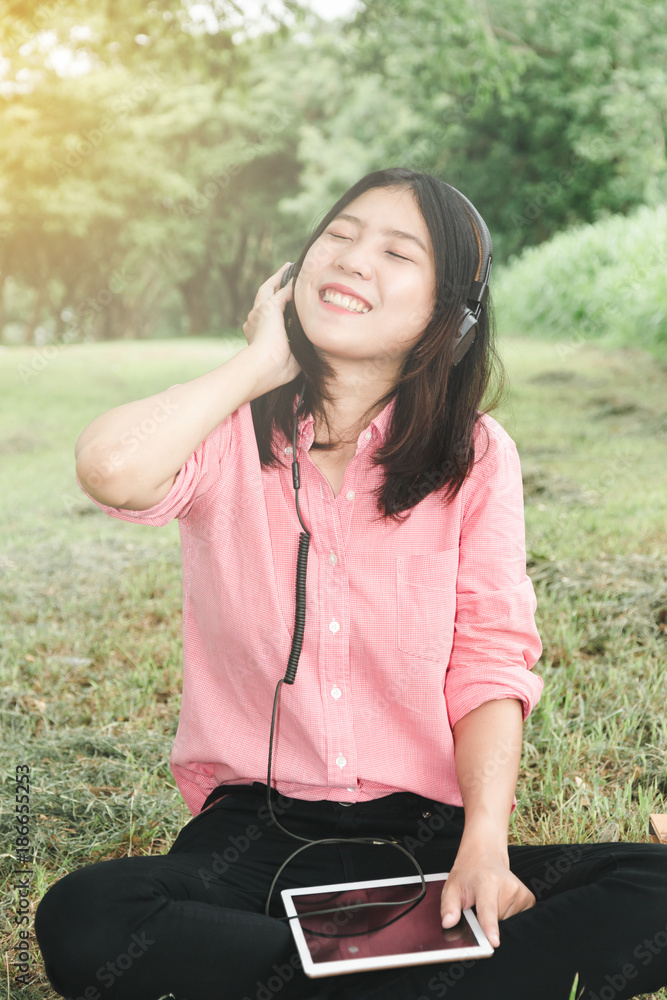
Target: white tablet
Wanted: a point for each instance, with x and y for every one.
(416, 938)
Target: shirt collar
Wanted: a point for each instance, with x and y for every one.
(378, 427)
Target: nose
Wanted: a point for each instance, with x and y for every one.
(352, 261)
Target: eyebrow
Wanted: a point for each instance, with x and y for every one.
(398, 233)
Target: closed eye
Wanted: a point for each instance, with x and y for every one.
(390, 252)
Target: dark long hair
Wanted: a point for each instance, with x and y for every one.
(429, 442)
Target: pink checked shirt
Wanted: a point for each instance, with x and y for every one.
(408, 627)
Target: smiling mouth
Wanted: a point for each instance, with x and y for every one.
(344, 303)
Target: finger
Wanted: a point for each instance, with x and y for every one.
(487, 915)
(279, 277)
(274, 294)
(278, 274)
(450, 904)
(286, 291)
(271, 285)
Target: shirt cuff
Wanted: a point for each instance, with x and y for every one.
(526, 688)
(157, 515)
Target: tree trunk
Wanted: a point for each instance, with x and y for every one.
(238, 294)
(196, 304)
(34, 319)
(3, 276)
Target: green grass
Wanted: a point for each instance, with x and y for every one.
(90, 606)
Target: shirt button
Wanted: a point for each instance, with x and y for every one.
(334, 626)
(333, 558)
(288, 449)
(336, 693)
(368, 435)
(349, 495)
(340, 760)
(426, 814)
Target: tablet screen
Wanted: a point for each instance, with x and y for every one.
(416, 936)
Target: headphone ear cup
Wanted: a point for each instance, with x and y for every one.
(289, 306)
(465, 336)
(287, 276)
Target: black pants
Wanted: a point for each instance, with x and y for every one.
(191, 923)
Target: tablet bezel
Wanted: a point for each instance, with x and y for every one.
(483, 948)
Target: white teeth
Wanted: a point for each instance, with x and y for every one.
(346, 301)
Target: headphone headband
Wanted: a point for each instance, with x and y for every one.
(479, 288)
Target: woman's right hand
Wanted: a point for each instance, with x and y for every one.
(265, 332)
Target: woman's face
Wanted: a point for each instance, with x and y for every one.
(379, 249)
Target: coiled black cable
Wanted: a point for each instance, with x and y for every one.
(290, 674)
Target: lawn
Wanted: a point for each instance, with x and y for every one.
(90, 606)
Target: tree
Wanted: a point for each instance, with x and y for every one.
(544, 113)
(156, 174)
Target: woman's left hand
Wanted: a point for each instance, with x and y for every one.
(483, 879)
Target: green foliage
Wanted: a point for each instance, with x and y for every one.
(152, 191)
(601, 282)
(380, 93)
(545, 113)
(146, 186)
(582, 130)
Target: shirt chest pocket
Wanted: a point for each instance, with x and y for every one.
(426, 590)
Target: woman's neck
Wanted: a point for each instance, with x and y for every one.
(346, 423)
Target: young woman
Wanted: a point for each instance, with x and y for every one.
(405, 718)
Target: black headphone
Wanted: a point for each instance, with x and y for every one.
(479, 289)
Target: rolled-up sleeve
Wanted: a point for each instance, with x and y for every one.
(496, 642)
(205, 468)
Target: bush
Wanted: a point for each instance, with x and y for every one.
(602, 282)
